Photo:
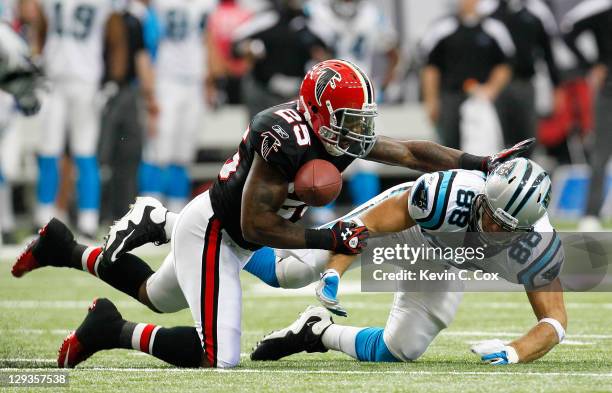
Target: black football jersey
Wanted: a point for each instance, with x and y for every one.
(283, 138)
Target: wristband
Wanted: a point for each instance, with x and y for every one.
(512, 355)
(471, 162)
(556, 325)
(320, 239)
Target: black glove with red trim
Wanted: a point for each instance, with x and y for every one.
(349, 238)
(342, 238)
(490, 163)
(518, 150)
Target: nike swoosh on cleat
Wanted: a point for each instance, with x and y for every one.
(114, 256)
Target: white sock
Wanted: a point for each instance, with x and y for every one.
(170, 221)
(44, 213)
(341, 338)
(88, 221)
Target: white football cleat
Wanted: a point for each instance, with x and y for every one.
(304, 334)
(590, 224)
(143, 224)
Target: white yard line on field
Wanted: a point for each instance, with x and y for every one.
(336, 372)
(514, 334)
(83, 304)
(452, 333)
(26, 360)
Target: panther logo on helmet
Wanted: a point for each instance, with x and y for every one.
(506, 169)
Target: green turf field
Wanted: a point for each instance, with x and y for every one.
(37, 311)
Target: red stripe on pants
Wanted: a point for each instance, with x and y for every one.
(145, 338)
(209, 323)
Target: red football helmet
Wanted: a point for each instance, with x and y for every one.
(337, 100)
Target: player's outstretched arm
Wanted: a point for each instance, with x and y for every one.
(429, 156)
(264, 192)
(391, 215)
(549, 308)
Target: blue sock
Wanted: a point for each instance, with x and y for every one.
(370, 346)
(263, 266)
(364, 186)
(88, 183)
(150, 179)
(176, 182)
(48, 179)
(1, 178)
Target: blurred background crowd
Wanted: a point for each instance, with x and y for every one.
(152, 96)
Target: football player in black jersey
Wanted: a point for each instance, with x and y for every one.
(250, 205)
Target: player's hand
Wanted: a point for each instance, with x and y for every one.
(517, 150)
(327, 292)
(495, 352)
(349, 238)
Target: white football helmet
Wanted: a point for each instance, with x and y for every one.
(516, 196)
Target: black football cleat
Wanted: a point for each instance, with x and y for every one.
(143, 224)
(51, 247)
(302, 335)
(99, 330)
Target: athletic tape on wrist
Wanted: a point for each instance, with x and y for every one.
(556, 325)
(512, 355)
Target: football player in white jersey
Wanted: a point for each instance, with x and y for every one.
(513, 198)
(358, 31)
(75, 33)
(181, 76)
(19, 79)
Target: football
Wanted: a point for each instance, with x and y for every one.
(318, 182)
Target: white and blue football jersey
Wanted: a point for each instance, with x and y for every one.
(75, 37)
(441, 202)
(358, 39)
(181, 53)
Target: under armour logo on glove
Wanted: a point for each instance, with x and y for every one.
(349, 238)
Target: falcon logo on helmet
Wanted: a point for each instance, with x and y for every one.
(337, 100)
(327, 77)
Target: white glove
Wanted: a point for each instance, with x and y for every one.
(327, 292)
(495, 352)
